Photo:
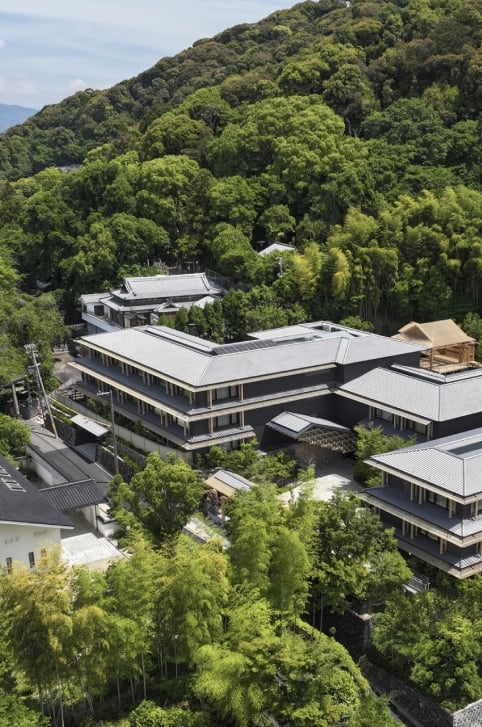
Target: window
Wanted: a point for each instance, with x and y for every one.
(387, 416)
(226, 421)
(10, 481)
(43, 555)
(416, 426)
(144, 408)
(31, 559)
(436, 499)
(99, 311)
(127, 369)
(476, 508)
(9, 564)
(427, 534)
(226, 392)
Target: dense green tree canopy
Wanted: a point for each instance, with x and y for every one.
(161, 497)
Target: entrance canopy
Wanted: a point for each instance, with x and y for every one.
(90, 426)
(322, 433)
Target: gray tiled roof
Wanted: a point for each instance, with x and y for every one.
(276, 247)
(436, 399)
(74, 495)
(197, 362)
(93, 297)
(441, 463)
(237, 482)
(24, 503)
(169, 305)
(296, 424)
(166, 286)
(89, 425)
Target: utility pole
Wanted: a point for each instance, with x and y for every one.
(108, 393)
(31, 349)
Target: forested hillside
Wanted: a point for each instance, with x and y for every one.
(351, 131)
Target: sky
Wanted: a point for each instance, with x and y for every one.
(49, 49)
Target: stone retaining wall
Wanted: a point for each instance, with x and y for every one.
(351, 629)
(409, 701)
(471, 716)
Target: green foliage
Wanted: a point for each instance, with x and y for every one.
(430, 639)
(371, 440)
(271, 548)
(161, 497)
(192, 595)
(148, 714)
(356, 558)
(358, 323)
(74, 635)
(14, 436)
(352, 130)
(472, 325)
(301, 677)
(13, 711)
(247, 461)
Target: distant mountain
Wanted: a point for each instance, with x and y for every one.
(13, 115)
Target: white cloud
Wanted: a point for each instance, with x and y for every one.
(76, 84)
(65, 47)
(2, 43)
(27, 87)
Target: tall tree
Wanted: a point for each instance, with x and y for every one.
(163, 495)
(190, 600)
(351, 546)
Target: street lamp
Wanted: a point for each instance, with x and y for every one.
(108, 393)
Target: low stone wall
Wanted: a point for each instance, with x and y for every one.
(105, 457)
(65, 431)
(419, 710)
(471, 716)
(351, 629)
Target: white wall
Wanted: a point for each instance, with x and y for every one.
(44, 470)
(17, 541)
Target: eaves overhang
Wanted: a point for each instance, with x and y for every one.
(409, 477)
(439, 561)
(461, 541)
(381, 405)
(51, 526)
(237, 379)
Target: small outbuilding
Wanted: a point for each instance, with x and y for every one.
(447, 346)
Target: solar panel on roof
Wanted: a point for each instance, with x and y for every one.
(467, 450)
(242, 346)
(10, 481)
(258, 343)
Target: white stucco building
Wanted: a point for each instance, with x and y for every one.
(29, 525)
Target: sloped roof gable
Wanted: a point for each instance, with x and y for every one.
(453, 464)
